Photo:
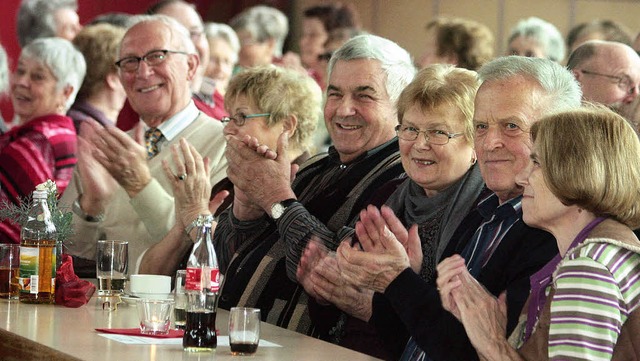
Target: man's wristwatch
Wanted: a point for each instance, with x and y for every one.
(277, 209)
(80, 213)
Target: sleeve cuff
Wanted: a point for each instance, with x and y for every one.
(155, 207)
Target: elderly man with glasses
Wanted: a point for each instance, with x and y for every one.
(608, 72)
(119, 189)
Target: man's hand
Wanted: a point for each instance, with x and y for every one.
(311, 257)
(98, 186)
(124, 158)
(330, 285)
(319, 274)
(263, 176)
(484, 318)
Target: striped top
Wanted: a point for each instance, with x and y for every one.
(41, 149)
(597, 287)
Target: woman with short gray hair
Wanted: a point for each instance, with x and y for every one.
(534, 37)
(43, 146)
(262, 31)
(223, 56)
(224, 47)
(47, 18)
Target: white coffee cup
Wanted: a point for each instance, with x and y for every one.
(150, 286)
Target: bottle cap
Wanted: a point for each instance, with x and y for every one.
(40, 194)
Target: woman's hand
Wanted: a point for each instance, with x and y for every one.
(384, 256)
(190, 183)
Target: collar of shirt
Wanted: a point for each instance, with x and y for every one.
(491, 206)
(178, 122)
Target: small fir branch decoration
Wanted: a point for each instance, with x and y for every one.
(61, 216)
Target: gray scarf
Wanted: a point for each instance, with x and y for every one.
(410, 203)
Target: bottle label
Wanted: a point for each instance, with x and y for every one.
(28, 269)
(193, 281)
(215, 280)
(34, 284)
(37, 269)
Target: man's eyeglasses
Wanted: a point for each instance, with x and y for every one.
(152, 58)
(432, 136)
(624, 82)
(239, 119)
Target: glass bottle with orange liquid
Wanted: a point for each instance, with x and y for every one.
(38, 253)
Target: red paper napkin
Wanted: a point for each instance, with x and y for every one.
(71, 291)
(136, 332)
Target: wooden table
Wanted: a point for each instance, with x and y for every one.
(49, 332)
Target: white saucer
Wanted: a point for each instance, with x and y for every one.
(129, 299)
(133, 298)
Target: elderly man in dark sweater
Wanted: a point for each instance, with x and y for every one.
(272, 220)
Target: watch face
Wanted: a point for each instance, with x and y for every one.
(276, 210)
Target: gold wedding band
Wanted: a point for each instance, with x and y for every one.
(182, 176)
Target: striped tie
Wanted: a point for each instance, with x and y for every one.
(152, 136)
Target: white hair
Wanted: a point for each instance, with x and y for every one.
(395, 61)
(226, 33)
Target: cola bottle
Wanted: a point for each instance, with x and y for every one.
(201, 286)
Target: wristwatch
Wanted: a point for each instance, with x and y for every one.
(277, 209)
(80, 213)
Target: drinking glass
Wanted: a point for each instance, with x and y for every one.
(112, 266)
(9, 264)
(155, 316)
(180, 297)
(244, 330)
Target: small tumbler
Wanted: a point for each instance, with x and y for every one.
(244, 330)
(155, 316)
